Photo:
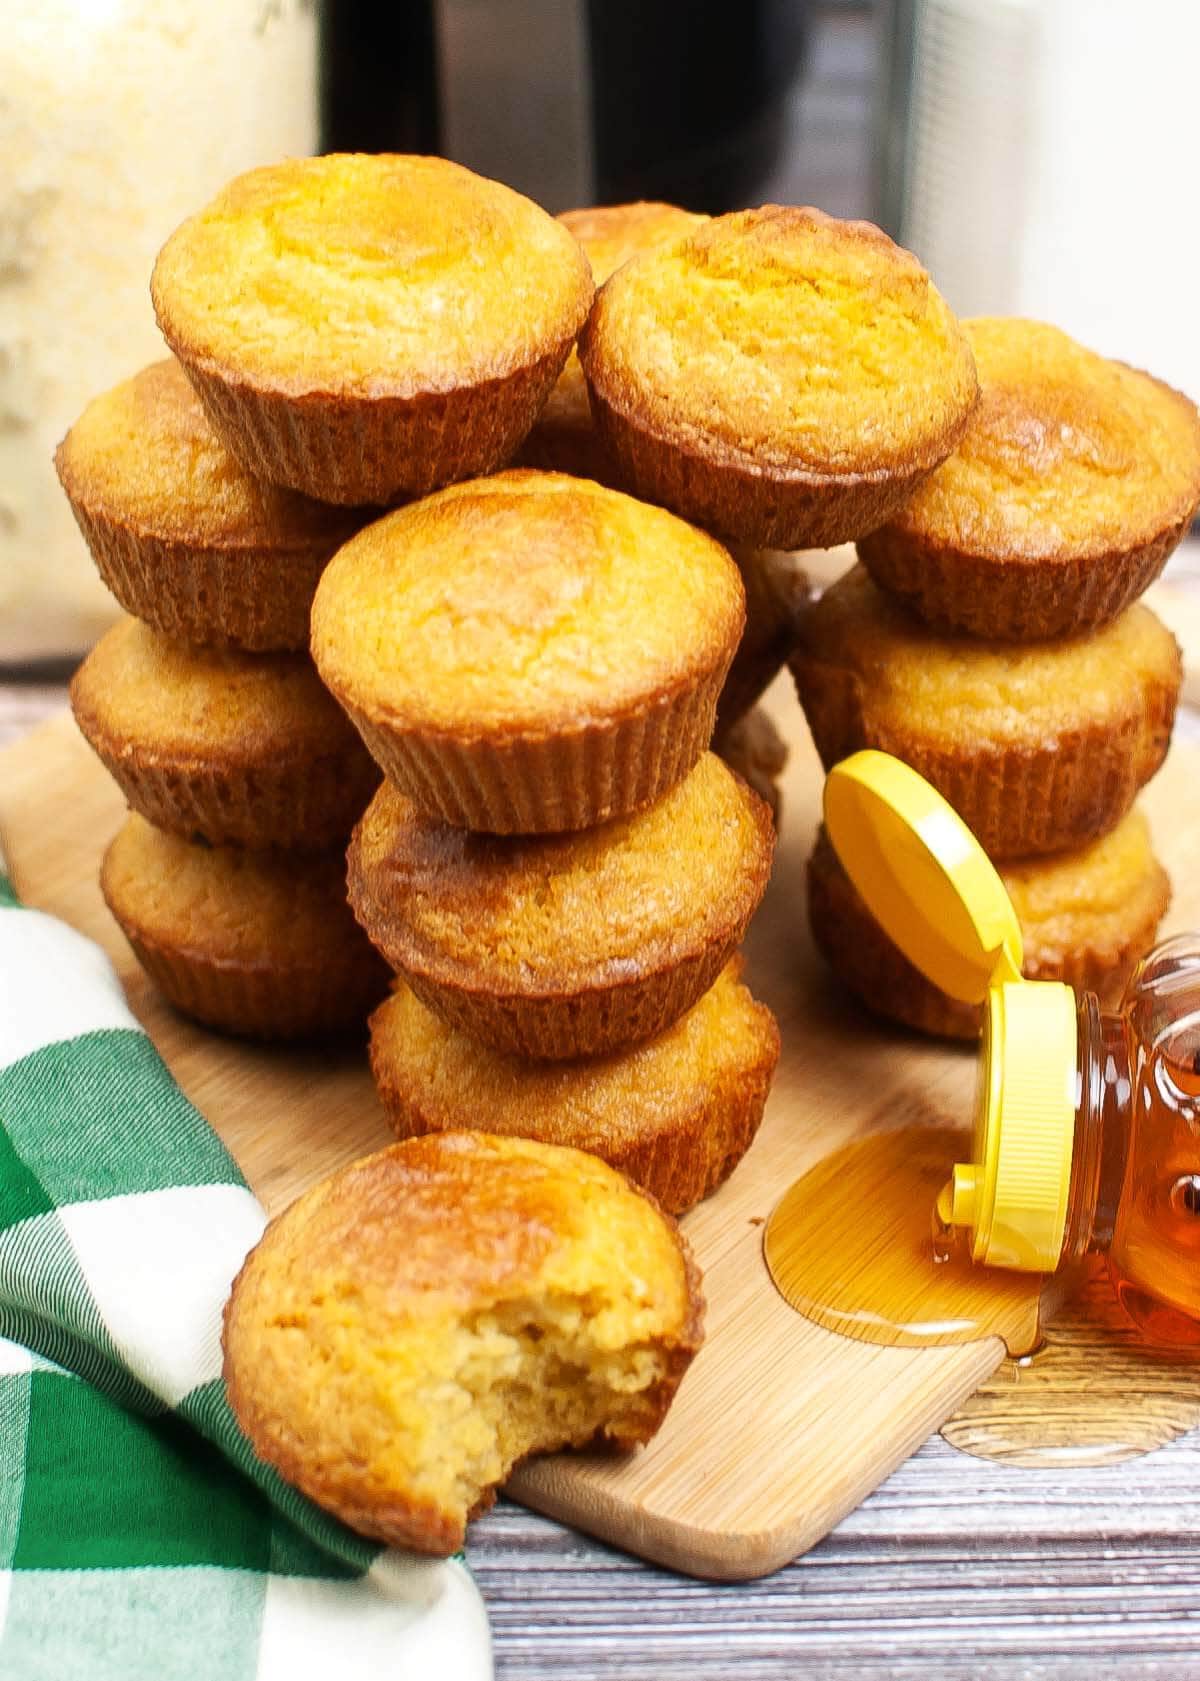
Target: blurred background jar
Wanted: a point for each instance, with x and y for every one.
(1037, 156)
(117, 119)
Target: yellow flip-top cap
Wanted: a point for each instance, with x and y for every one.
(922, 874)
(931, 887)
(1012, 1197)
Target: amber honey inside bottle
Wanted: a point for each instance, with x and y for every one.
(1135, 1187)
(1133, 1191)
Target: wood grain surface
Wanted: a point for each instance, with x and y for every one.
(780, 1428)
(954, 1570)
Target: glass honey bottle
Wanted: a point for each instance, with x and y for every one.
(1121, 1176)
(1087, 1122)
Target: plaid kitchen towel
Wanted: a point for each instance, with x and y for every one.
(140, 1539)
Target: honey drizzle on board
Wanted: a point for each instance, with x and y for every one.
(850, 1246)
(1097, 1391)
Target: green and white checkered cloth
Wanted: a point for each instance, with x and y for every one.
(140, 1539)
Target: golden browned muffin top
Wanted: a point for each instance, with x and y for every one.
(421, 1229)
(157, 695)
(144, 455)
(525, 602)
(227, 904)
(613, 233)
(957, 688)
(544, 913)
(429, 1315)
(786, 339)
(1090, 898)
(607, 1103)
(610, 235)
(373, 276)
(1067, 453)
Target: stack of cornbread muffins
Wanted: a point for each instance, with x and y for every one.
(992, 637)
(355, 332)
(563, 438)
(243, 776)
(555, 866)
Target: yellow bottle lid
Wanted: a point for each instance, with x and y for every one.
(931, 887)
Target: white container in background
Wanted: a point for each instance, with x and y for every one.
(118, 118)
(1051, 148)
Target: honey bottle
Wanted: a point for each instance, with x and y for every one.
(1087, 1122)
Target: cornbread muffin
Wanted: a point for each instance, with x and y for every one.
(563, 437)
(754, 748)
(1039, 747)
(1074, 481)
(530, 652)
(676, 1114)
(415, 1325)
(565, 945)
(778, 376)
(363, 328)
(230, 748)
(260, 944)
(776, 594)
(184, 537)
(1086, 918)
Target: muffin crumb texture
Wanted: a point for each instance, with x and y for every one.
(413, 1327)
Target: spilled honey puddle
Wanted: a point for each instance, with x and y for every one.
(850, 1246)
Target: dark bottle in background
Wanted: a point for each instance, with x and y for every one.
(377, 76)
(689, 101)
(571, 101)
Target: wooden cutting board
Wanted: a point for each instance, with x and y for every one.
(780, 1428)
